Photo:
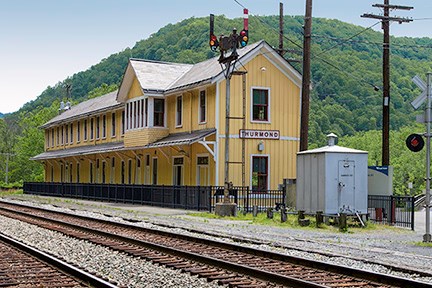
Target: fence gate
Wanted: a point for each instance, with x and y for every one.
(392, 210)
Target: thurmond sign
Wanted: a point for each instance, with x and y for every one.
(259, 134)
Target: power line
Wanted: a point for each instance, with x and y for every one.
(346, 39)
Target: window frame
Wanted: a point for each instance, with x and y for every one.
(202, 120)
(252, 156)
(179, 111)
(268, 105)
(158, 113)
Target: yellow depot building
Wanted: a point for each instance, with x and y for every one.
(166, 126)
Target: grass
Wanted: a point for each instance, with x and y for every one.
(10, 192)
(261, 219)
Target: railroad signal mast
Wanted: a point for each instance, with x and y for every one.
(228, 46)
(229, 43)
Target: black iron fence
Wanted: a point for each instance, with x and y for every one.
(392, 210)
(184, 197)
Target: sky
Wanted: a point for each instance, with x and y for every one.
(43, 42)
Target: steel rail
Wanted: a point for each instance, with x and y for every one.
(71, 270)
(348, 271)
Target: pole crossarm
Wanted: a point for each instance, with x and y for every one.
(387, 18)
(399, 7)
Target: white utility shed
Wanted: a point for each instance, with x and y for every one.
(332, 179)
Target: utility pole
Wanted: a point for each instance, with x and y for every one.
(385, 21)
(304, 121)
(8, 155)
(281, 31)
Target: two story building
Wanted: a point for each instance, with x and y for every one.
(166, 125)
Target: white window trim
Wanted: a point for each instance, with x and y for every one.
(179, 125)
(268, 169)
(199, 107)
(269, 105)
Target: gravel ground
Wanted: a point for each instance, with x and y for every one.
(126, 271)
(365, 250)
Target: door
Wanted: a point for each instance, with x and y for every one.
(203, 175)
(346, 186)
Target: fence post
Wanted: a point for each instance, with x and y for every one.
(210, 192)
(412, 212)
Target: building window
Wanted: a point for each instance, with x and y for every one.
(104, 126)
(71, 133)
(52, 173)
(259, 173)
(52, 137)
(113, 125)
(85, 130)
(91, 128)
(78, 173)
(158, 114)
(97, 127)
(202, 106)
(67, 134)
(179, 113)
(260, 105)
(91, 172)
(78, 131)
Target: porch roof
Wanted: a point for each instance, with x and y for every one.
(174, 139)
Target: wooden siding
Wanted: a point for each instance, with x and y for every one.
(284, 116)
(144, 136)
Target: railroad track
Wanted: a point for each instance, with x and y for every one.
(230, 264)
(25, 266)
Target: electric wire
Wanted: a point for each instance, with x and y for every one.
(376, 88)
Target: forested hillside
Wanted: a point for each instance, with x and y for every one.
(346, 67)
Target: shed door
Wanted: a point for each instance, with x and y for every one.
(346, 187)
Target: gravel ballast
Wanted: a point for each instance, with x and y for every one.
(368, 250)
(126, 271)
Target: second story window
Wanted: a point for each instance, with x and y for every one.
(97, 127)
(78, 131)
(71, 133)
(202, 106)
(113, 124)
(158, 114)
(52, 137)
(91, 128)
(179, 108)
(66, 134)
(85, 130)
(260, 105)
(104, 126)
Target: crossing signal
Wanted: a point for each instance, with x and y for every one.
(415, 142)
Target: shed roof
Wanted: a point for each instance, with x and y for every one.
(332, 149)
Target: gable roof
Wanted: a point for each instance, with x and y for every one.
(91, 106)
(162, 78)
